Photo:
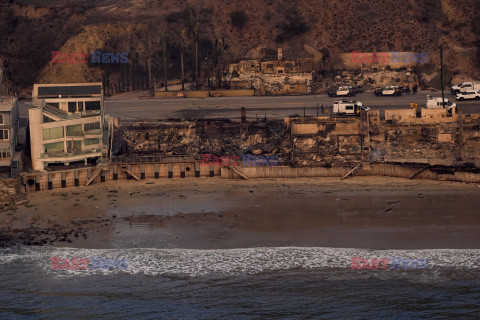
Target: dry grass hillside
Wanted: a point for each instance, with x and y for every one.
(228, 31)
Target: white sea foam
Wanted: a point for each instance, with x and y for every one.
(194, 262)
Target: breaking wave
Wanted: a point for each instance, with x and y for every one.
(195, 262)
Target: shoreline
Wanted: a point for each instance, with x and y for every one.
(205, 213)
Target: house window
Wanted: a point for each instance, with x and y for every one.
(5, 153)
(4, 134)
(73, 146)
(92, 105)
(1, 118)
(91, 126)
(80, 106)
(91, 141)
(52, 133)
(74, 130)
(72, 107)
(54, 147)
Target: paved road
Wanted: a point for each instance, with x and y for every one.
(131, 107)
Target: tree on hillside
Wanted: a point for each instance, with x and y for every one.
(238, 19)
(293, 25)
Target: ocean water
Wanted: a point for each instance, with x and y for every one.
(253, 283)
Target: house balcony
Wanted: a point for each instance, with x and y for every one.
(71, 156)
(97, 133)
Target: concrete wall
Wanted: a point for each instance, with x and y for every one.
(427, 116)
(307, 128)
(381, 169)
(232, 93)
(433, 113)
(136, 169)
(282, 172)
(196, 94)
(400, 115)
(344, 128)
(169, 94)
(296, 88)
(204, 94)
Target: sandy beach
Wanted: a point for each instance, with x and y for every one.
(362, 212)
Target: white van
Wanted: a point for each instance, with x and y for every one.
(436, 103)
(348, 108)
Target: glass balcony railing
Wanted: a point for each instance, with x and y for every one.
(69, 154)
(94, 132)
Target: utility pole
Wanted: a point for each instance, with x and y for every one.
(165, 63)
(181, 58)
(195, 25)
(196, 63)
(149, 74)
(441, 74)
(133, 74)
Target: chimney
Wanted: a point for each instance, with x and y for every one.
(280, 54)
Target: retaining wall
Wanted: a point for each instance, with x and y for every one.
(380, 169)
(78, 177)
(204, 93)
(232, 93)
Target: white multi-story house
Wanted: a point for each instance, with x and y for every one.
(67, 124)
(9, 126)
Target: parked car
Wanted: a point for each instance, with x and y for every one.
(332, 92)
(468, 95)
(345, 91)
(388, 91)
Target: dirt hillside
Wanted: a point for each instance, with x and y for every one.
(227, 31)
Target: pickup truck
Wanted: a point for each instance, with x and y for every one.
(466, 86)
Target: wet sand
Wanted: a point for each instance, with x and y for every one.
(361, 212)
